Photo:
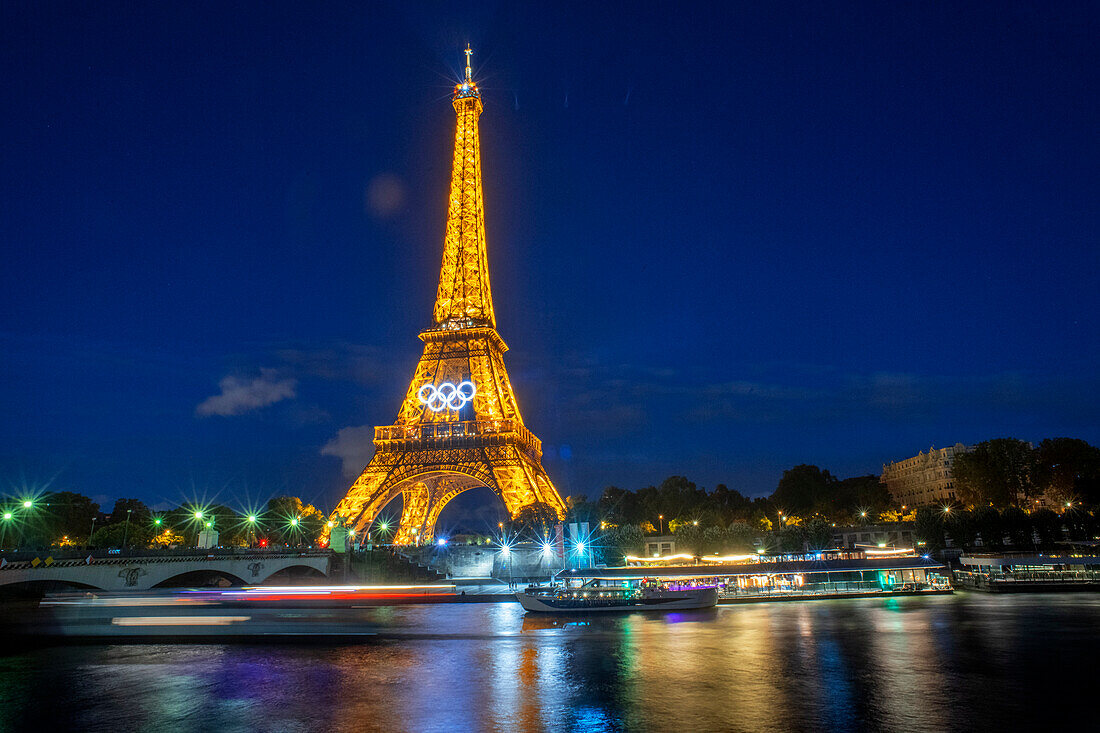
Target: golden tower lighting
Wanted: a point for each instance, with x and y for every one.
(459, 426)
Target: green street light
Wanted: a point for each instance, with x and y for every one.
(7, 515)
(294, 522)
(158, 521)
(209, 524)
(28, 504)
(252, 518)
(198, 515)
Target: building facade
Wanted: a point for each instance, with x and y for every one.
(923, 479)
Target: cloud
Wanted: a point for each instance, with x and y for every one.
(242, 395)
(352, 445)
(385, 196)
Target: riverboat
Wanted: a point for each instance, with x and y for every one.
(587, 594)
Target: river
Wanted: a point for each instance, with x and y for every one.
(952, 663)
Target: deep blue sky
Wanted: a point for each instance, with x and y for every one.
(723, 240)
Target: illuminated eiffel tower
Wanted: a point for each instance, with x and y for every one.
(459, 427)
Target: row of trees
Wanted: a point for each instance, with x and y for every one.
(1007, 472)
(993, 529)
(804, 492)
(68, 518)
(738, 538)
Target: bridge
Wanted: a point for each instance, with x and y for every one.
(161, 569)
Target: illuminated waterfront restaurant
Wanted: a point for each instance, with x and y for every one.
(866, 571)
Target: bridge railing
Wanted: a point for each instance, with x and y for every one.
(59, 557)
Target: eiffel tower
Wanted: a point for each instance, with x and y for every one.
(459, 427)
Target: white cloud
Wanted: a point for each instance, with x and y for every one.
(354, 446)
(243, 395)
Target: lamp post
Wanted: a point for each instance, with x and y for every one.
(661, 519)
(126, 530)
(90, 533)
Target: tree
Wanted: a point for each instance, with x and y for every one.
(288, 520)
(579, 509)
(818, 534)
(1048, 526)
(741, 537)
(626, 538)
(56, 515)
(996, 472)
(729, 504)
(1069, 470)
(1017, 526)
(536, 518)
(113, 535)
(802, 490)
(853, 496)
(987, 520)
(928, 528)
(138, 511)
(620, 506)
(689, 538)
(961, 527)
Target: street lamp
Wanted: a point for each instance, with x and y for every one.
(661, 518)
(126, 529)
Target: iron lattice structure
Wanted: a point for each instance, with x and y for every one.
(459, 426)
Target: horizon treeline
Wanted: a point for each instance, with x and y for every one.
(67, 518)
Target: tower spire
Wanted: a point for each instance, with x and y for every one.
(464, 299)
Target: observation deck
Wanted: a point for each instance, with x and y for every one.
(466, 434)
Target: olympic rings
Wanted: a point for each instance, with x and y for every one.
(446, 396)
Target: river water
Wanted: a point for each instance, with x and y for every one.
(954, 663)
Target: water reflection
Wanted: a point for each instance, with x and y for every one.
(941, 663)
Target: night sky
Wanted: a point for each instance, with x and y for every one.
(723, 240)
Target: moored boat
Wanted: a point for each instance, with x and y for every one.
(588, 594)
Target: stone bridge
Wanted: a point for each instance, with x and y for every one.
(151, 569)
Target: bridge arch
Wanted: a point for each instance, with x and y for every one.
(294, 574)
(424, 492)
(201, 578)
